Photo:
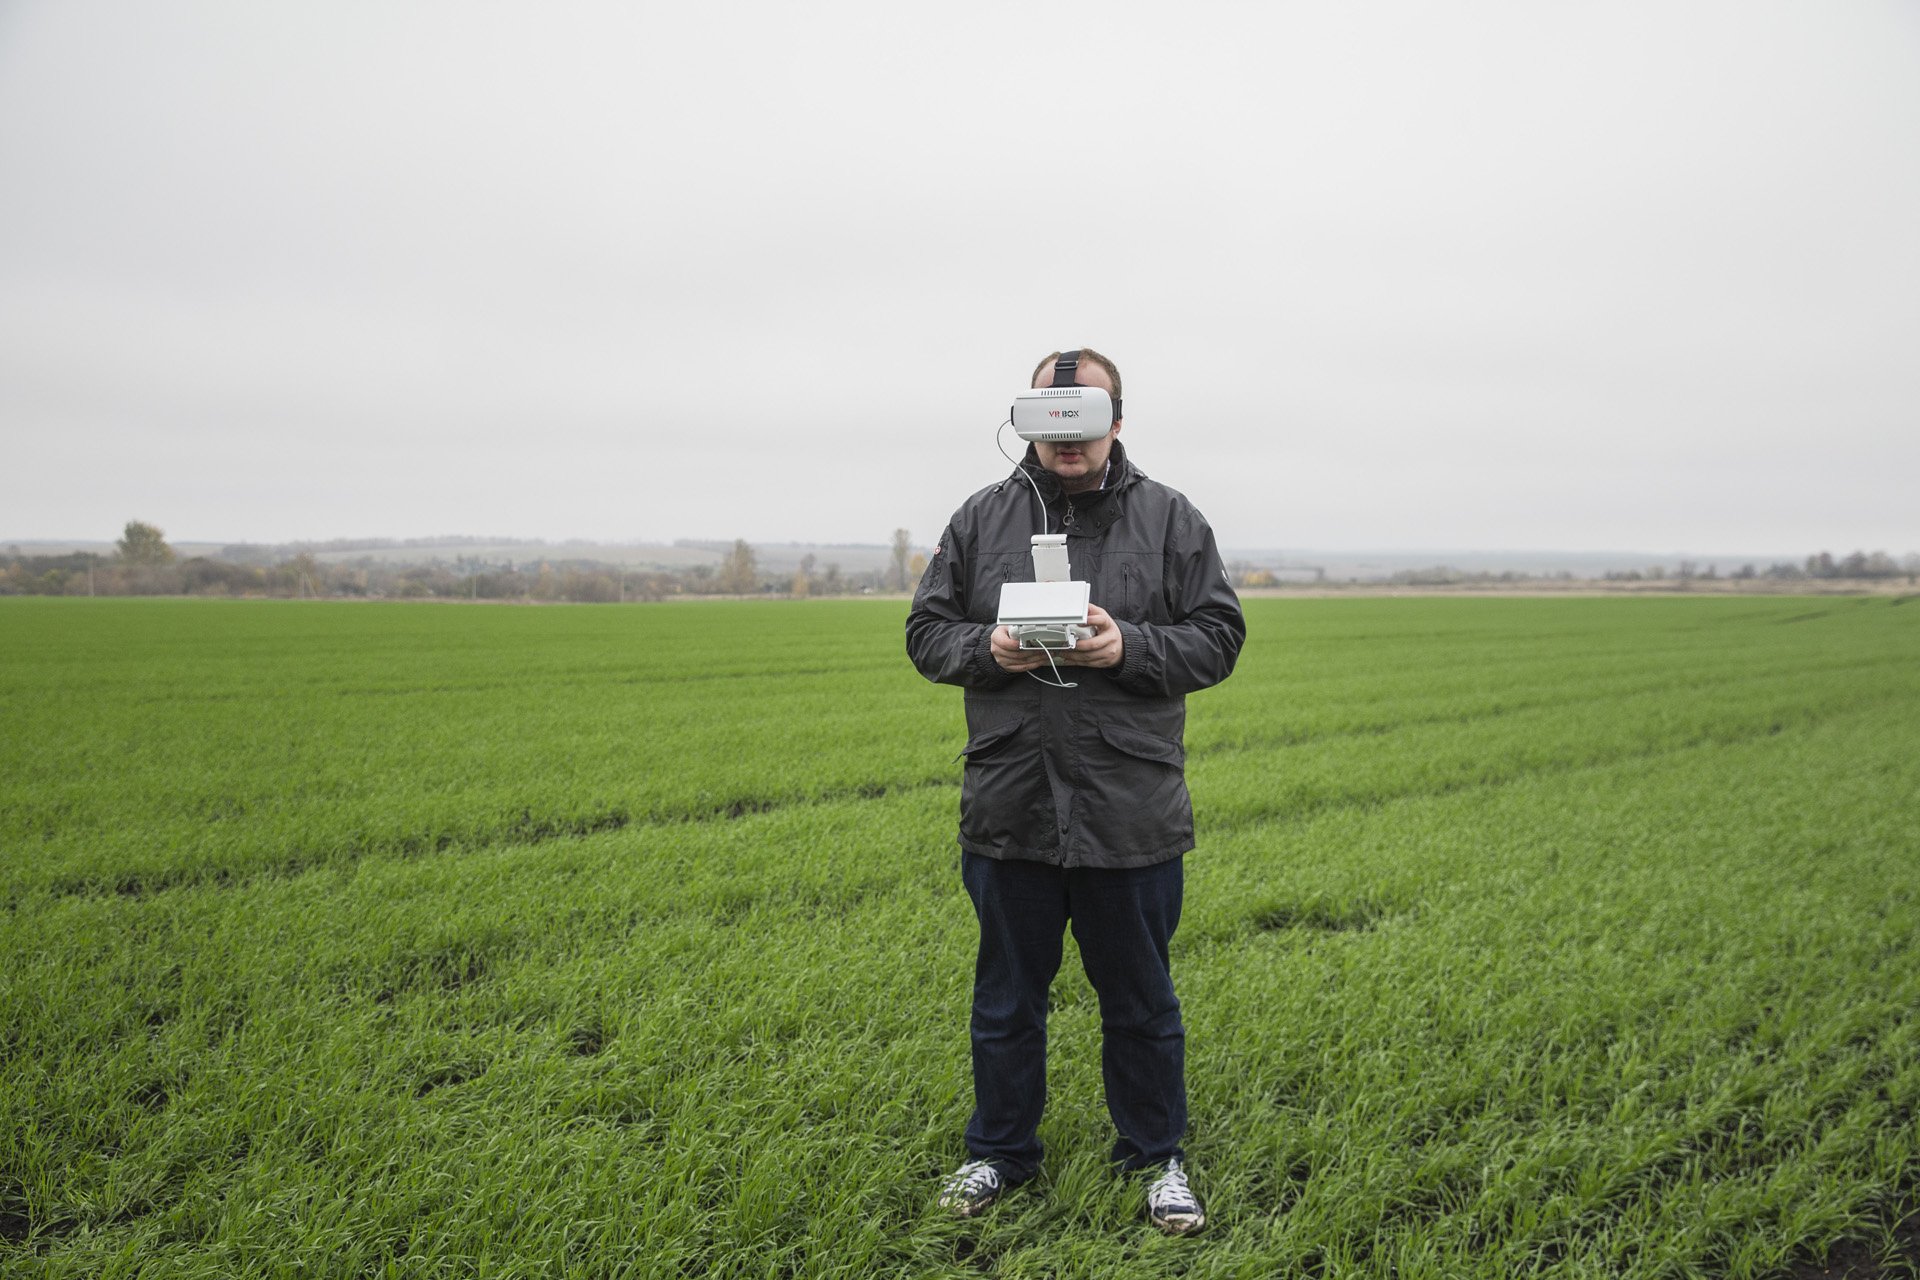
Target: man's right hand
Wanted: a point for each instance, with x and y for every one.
(1011, 657)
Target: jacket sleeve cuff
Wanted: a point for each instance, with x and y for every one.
(987, 672)
(1135, 663)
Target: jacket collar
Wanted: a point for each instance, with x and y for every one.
(1097, 508)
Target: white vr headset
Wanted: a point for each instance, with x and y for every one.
(1064, 411)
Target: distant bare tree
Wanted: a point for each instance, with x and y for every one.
(902, 548)
(740, 574)
(306, 573)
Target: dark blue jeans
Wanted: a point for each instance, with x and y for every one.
(1122, 921)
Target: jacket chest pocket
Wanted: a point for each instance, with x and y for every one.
(1130, 594)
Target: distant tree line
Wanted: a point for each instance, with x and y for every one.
(1862, 566)
(1441, 575)
(143, 563)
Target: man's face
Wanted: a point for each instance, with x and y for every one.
(1078, 463)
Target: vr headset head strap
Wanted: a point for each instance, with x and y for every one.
(1064, 369)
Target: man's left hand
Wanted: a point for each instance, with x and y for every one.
(1102, 649)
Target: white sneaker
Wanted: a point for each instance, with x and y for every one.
(1171, 1204)
(973, 1186)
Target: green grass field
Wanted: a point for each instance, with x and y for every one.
(1569, 937)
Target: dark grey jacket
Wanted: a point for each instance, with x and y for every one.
(1091, 776)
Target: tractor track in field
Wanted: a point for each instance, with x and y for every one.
(144, 696)
(525, 831)
(1312, 809)
(529, 830)
(1520, 703)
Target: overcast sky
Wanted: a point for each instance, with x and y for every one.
(1606, 275)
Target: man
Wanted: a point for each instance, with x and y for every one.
(1074, 807)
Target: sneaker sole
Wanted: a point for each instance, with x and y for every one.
(970, 1210)
(1179, 1224)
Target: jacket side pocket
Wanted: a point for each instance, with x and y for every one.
(1144, 746)
(987, 741)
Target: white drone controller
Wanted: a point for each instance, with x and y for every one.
(1051, 611)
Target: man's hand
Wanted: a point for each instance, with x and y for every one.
(1011, 657)
(1101, 649)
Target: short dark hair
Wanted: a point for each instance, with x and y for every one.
(1086, 353)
